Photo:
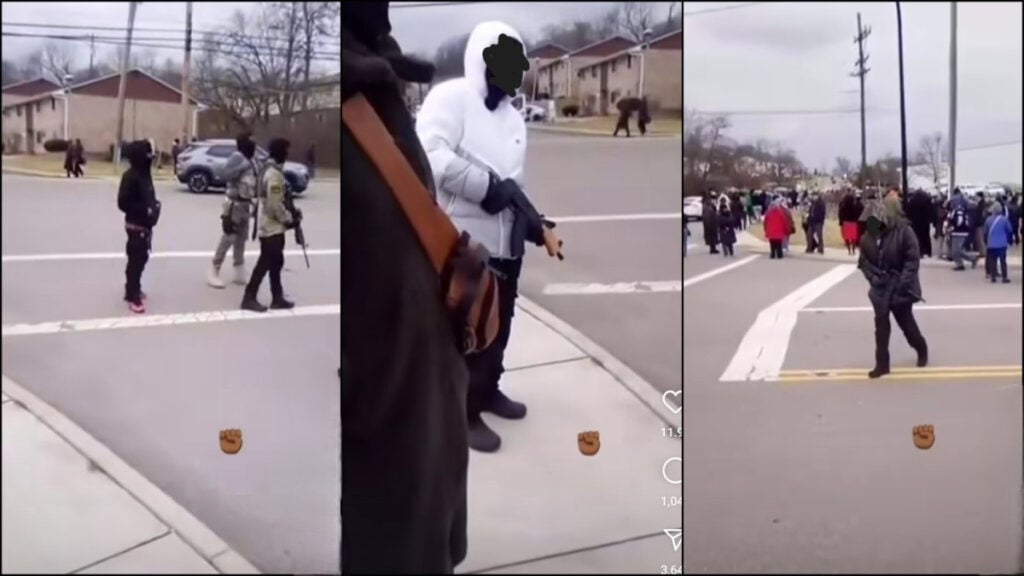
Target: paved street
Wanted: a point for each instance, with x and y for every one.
(796, 462)
(608, 178)
(159, 397)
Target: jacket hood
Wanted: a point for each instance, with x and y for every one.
(888, 211)
(138, 154)
(485, 34)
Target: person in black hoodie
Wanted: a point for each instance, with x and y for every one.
(136, 197)
(405, 452)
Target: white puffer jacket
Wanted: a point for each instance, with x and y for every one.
(462, 139)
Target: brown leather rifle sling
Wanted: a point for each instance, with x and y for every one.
(469, 287)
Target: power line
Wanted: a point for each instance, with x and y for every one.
(333, 39)
(203, 45)
(721, 9)
(396, 5)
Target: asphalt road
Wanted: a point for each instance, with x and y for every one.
(608, 179)
(816, 472)
(159, 396)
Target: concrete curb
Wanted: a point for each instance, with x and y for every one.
(41, 174)
(588, 132)
(193, 532)
(643, 390)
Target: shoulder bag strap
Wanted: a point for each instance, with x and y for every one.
(435, 231)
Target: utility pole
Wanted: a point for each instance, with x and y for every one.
(185, 72)
(92, 55)
(121, 86)
(903, 103)
(862, 34)
(952, 102)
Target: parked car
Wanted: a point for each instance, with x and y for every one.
(531, 111)
(693, 208)
(200, 164)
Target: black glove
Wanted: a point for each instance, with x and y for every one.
(535, 229)
(297, 215)
(499, 194)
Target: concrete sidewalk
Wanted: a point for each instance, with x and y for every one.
(568, 129)
(536, 506)
(70, 505)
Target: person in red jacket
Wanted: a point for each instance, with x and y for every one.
(776, 228)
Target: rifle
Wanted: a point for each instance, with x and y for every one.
(521, 204)
(300, 236)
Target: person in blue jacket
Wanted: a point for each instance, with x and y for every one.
(999, 233)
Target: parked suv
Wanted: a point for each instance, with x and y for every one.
(201, 163)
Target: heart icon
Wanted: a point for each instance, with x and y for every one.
(673, 407)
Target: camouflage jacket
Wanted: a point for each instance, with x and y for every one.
(274, 217)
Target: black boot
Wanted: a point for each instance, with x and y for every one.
(252, 304)
(481, 437)
(878, 371)
(501, 405)
(922, 356)
(282, 304)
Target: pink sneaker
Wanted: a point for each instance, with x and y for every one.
(137, 307)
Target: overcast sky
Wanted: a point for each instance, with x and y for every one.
(798, 56)
(423, 28)
(160, 15)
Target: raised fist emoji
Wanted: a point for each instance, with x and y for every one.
(590, 442)
(231, 440)
(924, 436)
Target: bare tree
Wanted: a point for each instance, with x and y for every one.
(842, 166)
(56, 60)
(319, 21)
(932, 155)
(634, 18)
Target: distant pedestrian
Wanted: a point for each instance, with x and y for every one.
(788, 212)
(959, 228)
(816, 222)
(920, 214)
(848, 216)
(311, 160)
(1014, 210)
(686, 238)
(999, 235)
(726, 230)
(70, 161)
(643, 117)
(776, 228)
(622, 123)
(175, 150)
(709, 218)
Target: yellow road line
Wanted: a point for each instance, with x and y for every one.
(863, 375)
(912, 369)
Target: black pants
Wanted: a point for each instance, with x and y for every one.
(775, 248)
(137, 249)
(727, 250)
(487, 366)
(271, 260)
(622, 124)
(904, 316)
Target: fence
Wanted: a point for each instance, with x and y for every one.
(321, 128)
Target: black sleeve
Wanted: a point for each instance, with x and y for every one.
(911, 254)
(126, 193)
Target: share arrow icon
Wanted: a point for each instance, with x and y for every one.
(676, 534)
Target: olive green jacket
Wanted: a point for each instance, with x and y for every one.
(274, 217)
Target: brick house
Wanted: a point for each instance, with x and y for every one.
(539, 58)
(21, 91)
(604, 81)
(152, 109)
(558, 77)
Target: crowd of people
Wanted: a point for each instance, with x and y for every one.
(964, 228)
